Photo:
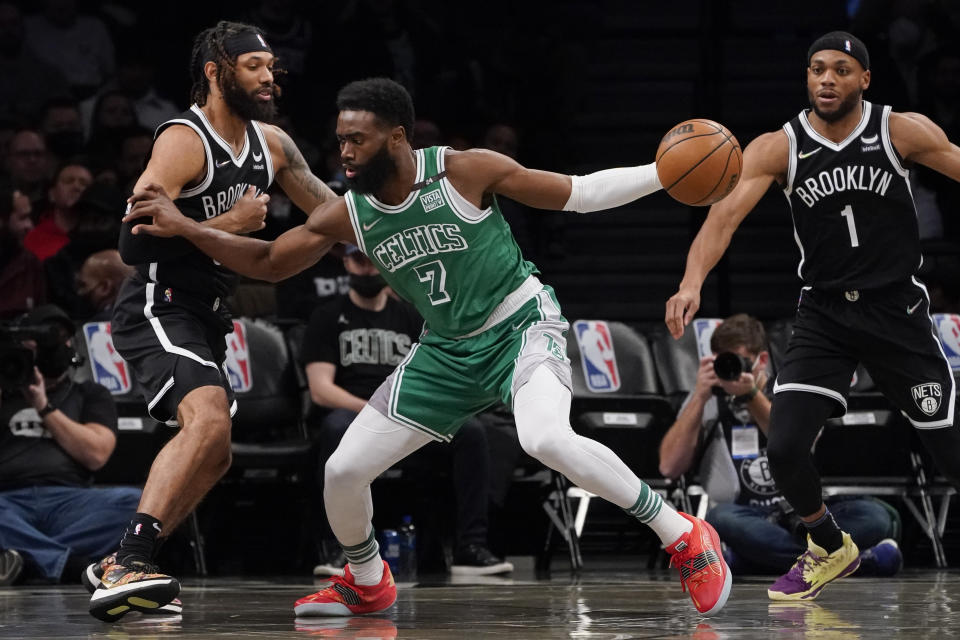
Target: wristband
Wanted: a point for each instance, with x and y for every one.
(748, 396)
(47, 410)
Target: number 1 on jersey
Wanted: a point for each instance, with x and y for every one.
(435, 275)
(851, 225)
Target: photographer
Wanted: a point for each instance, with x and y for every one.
(724, 422)
(54, 433)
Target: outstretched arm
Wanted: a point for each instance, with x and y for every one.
(291, 253)
(919, 140)
(764, 160)
(478, 172)
(304, 189)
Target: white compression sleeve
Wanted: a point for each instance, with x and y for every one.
(612, 187)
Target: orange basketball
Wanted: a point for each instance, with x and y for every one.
(699, 162)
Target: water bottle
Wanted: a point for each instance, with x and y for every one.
(390, 549)
(408, 550)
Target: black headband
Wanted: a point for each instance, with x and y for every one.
(841, 41)
(239, 44)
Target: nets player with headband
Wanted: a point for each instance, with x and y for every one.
(843, 166)
(217, 159)
(430, 221)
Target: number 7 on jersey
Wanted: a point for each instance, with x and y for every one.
(435, 275)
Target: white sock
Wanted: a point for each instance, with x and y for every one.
(669, 525)
(651, 510)
(369, 572)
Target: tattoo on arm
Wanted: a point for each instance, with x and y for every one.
(300, 172)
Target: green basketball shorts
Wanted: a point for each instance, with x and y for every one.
(444, 381)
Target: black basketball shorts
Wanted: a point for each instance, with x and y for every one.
(173, 342)
(890, 332)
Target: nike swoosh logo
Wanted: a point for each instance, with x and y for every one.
(870, 140)
(257, 157)
(224, 163)
(521, 323)
(910, 310)
(367, 227)
(809, 153)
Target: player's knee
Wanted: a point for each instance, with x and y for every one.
(547, 447)
(341, 472)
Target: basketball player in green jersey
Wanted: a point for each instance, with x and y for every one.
(430, 222)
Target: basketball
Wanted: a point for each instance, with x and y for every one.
(699, 162)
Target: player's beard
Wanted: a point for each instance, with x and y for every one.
(845, 107)
(374, 173)
(246, 105)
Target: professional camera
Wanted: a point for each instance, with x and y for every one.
(729, 365)
(16, 360)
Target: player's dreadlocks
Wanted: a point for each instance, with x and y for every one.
(210, 45)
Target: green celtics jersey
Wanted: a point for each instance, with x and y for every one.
(453, 261)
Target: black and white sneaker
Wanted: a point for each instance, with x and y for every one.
(90, 578)
(11, 566)
(477, 560)
(137, 587)
(94, 572)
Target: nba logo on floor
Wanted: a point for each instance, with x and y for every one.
(948, 328)
(238, 359)
(108, 368)
(703, 329)
(597, 355)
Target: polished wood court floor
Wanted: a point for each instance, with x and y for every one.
(604, 604)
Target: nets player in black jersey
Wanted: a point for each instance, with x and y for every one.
(216, 161)
(843, 165)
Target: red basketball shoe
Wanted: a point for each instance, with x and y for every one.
(344, 598)
(703, 571)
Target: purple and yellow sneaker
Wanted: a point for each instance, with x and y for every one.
(814, 570)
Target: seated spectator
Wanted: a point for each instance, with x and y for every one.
(96, 228)
(28, 164)
(58, 217)
(112, 118)
(54, 433)
(98, 283)
(135, 147)
(62, 128)
(351, 345)
(21, 274)
(725, 422)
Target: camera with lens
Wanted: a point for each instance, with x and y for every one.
(729, 366)
(16, 360)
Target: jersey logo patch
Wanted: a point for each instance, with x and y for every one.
(948, 327)
(803, 155)
(927, 396)
(597, 355)
(432, 200)
(222, 164)
(257, 157)
(108, 368)
(237, 363)
(870, 140)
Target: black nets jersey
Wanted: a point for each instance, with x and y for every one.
(853, 212)
(226, 180)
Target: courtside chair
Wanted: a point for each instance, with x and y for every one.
(616, 401)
